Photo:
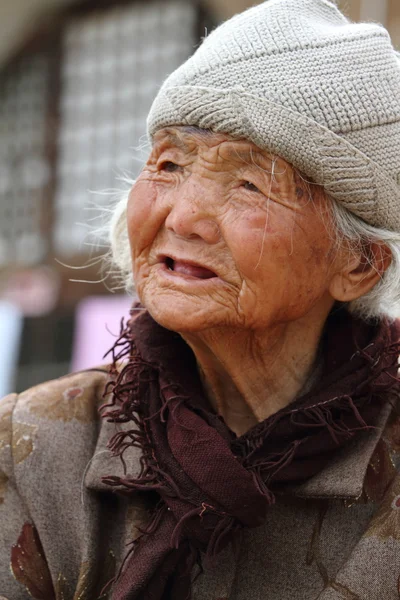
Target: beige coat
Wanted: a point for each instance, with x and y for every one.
(63, 533)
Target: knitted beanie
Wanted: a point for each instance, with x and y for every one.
(301, 81)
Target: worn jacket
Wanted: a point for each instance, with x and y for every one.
(64, 533)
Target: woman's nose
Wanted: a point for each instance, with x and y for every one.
(189, 214)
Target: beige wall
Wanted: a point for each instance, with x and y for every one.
(394, 21)
(351, 8)
(371, 10)
(227, 8)
(18, 18)
(224, 9)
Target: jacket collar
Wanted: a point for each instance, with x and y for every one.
(343, 477)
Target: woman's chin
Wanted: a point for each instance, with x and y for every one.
(176, 319)
(180, 313)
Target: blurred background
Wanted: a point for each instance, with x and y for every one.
(77, 78)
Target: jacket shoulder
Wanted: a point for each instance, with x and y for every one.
(76, 396)
(7, 405)
(51, 432)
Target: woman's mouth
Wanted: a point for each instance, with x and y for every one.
(188, 269)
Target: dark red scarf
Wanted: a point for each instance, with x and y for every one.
(209, 482)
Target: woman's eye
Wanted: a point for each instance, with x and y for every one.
(250, 186)
(169, 166)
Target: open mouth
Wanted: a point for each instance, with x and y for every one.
(188, 269)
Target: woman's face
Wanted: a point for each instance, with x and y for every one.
(221, 236)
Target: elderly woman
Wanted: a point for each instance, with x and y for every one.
(248, 436)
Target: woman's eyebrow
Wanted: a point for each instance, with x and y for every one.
(173, 139)
(177, 138)
(248, 156)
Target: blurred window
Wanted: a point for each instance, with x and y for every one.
(24, 169)
(114, 63)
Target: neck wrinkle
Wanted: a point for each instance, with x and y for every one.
(247, 380)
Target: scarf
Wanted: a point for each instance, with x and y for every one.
(208, 482)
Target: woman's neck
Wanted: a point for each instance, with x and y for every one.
(250, 375)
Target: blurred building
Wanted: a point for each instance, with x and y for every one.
(76, 81)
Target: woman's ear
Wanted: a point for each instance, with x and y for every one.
(361, 271)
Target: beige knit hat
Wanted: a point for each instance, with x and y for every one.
(297, 78)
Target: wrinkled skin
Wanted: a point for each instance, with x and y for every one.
(231, 208)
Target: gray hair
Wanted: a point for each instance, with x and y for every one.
(383, 300)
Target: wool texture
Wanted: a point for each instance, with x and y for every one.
(210, 483)
(298, 79)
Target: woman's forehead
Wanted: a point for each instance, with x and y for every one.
(188, 138)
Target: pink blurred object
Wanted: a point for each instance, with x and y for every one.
(97, 326)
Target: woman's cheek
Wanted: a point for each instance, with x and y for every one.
(255, 241)
(142, 215)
